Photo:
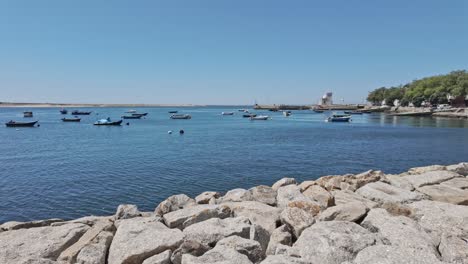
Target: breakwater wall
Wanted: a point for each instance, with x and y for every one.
(419, 216)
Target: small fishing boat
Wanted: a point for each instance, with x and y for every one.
(75, 119)
(64, 111)
(365, 111)
(108, 122)
(353, 112)
(131, 116)
(227, 113)
(242, 110)
(76, 112)
(28, 114)
(261, 117)
(181, 116)
(339, 118)
(136, 114)
(12, 123)
(273, 110)
(286, 113)
(249, 115)
(131, 111)
(318, 110)
(173, 112)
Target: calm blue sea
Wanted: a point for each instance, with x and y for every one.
(68, 170)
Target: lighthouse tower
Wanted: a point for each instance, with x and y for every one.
(326, 99)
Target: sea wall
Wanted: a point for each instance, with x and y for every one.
(419, 216)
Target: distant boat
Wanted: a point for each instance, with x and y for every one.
(249, 115)
(353, 112)
(173, 112)
(64, 111)
(261, 117)
(286, 113)
(318, 110)
(20, 124)
(339, 118)
(131, 111)
(227, 113)
(107, 122)
(181, 116)
(365, 111)
(76, 119)
(28, 114)
(132, 117)
(242, 110)
(77, 112)
(143, 114)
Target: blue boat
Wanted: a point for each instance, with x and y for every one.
(339, 118)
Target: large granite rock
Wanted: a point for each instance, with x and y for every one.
(399, 231)
(349, 182)
(289, 193)
(333, 242)
(218, 255)
(306, 184)
(161, 258)
(126, 211)
(137, 239)
(352, 212)
(211, 231)
(344, 197)
(237, 195)
(191, 247)
(460, 183)
(206, 197)
(281, 235)
(95, 252)
(14, 225)
(264, 194)
(382, 192)
(460, 168)
(297, 219)
(446, 194)
(282, 259)
(27, 245)
(424, 169)
(398, 181)
(454, 248)
(430, 178)
(283, 182)
(385, 254)
(323, 197)
(174, 203)
(250, 248)
(257, 212)
(194, 214)
(261, 235)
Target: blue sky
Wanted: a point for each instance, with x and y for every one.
(223, 52)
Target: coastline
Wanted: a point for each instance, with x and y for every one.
(63, 105)
(418, 216)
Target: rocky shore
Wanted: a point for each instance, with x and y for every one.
(420, 216)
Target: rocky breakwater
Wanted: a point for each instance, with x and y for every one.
(420, 216)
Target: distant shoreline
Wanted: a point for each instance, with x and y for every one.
(60, 105)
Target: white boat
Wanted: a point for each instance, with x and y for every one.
(260, 117)
(227, 113)
(28, 114)
(286, 113)
(181, 116)
(339, 118)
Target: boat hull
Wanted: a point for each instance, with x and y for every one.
(21, 124)
(71, 119)
(181, 117)
(80, 113)
(131, 117)
(116, 123)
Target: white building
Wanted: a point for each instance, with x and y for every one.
(326, 99)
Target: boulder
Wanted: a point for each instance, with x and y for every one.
(289, 193)
(333, 242)
(237, 195)
(420, 170)
(14, 225)
(206, 197)
(95, 252)
(194, 214)
(453, 248)
(137, 239)
(306, 184)
(460, 168)
(282, 236)
(430, 178)
(174, 203)
(211, 231)
(297, 219)
(218, 255)
(283, 182)
(399, 231)
(332, 182)
(261, 235)
(281, 259)
(398, 181)
(344, 197)
(352, 212)
(250, 248)
(257, 212)
(460, 183)
(161, 258)
(446, 194)
(382, 192)
(349, 182)
(191, 247)
(264, 194)
(397, 209)
(385, 254)
(26, 245)
(323, 197)
(126, 211)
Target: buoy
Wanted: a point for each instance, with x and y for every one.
(128, 123)
(181, 131)
(38, 125)
(169, 132)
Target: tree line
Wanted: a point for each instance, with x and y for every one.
(433, 89)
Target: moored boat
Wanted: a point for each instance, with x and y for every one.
(28, 114)
(136, 114)
(339, 118)
(318, 110)
(353, 112)
(108, 122)
(260, 117)
(12, 123)
(286, 113)
(173, 112)
(227, 113)
(64, 111)
(72, 119)
(77, 112)
(131, 116)
(181, 116)
(249, 115)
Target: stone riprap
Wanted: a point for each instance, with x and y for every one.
(419, 216)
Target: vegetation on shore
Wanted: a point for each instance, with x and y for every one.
(433, 89)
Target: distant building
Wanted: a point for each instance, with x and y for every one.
(326, 99)
(459, 101)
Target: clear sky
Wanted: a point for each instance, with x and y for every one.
(223, 52)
